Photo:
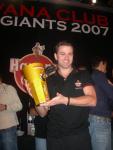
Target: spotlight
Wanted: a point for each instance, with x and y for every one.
(94, 1)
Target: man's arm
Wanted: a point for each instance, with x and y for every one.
(42, 110)
(33, 111)
(89, 99)
(106, 86)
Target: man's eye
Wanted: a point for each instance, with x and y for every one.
(62, 54)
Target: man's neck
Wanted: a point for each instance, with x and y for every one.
(65, 72)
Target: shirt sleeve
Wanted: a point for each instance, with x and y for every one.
(104, 85)
(14, 103)
(86, 78)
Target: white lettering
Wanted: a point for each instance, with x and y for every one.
(36, 21)
(25, 21)
(14, 64)
(6, 21)
(51, 23)
(61, 25)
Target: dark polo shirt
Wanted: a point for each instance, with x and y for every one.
(68, 120)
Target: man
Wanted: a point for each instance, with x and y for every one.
(9, 105)
(71, 94)
(100, 116)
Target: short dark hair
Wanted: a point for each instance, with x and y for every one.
(63, 43)
(97, 59)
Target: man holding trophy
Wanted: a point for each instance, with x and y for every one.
(71, 92)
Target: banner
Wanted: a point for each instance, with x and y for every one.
(24, 24)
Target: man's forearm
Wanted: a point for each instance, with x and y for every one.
(42, 111)
(83, 101)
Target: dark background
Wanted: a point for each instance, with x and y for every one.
(16, 42)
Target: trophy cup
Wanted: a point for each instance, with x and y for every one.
(34, 73)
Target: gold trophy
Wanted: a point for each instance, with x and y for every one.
(34, 73)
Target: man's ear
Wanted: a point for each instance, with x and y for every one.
(55, 56)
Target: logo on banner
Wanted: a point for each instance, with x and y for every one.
(35, 57)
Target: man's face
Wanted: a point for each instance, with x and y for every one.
(103, 66)
(64, 56)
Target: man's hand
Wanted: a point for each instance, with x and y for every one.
(50, 69)
(59, 99)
